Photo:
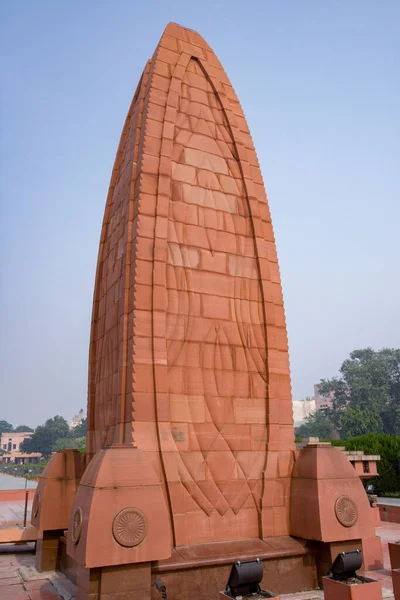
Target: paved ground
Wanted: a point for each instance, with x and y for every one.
(13, 511)
(19, 580)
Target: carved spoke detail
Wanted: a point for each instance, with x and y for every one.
(76, 526)
(129, 527)
(346, 511)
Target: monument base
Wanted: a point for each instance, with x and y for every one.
(203, 570)
(396, 583)
(52, 504)
(123, 582)
(66, 564)
(48, 550)
(394, 553)
(371, 548)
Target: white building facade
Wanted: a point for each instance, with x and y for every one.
(302, 409)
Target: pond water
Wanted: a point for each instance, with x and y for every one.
(9, 482)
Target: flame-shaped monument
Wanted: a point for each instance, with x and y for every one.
(190, 443)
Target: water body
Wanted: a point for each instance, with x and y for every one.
(9, 482)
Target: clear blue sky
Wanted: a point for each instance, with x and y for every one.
(320, 86)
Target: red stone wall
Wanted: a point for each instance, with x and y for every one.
(189, 356)
(390, 513)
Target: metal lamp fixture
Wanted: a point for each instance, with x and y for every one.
(245, 578)
(161, 587)
(345, 565)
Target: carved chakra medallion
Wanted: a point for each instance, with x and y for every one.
(129, 527)
(76, 526)
(346, 511)
(36, 504)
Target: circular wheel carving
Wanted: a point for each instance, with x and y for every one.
(346, 511)
(76, 526)
(129, 527)
(36, 504)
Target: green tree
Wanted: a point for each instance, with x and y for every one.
(77, 443)
(5, 427)
(79, 430)
(388, 448)
(23, 428)
(355, 422)
(45, 436)
(370, 380)
(316, 425)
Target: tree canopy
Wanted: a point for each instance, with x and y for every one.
(367, 393)
(45, 436)
(79, 430)
(5, 427)
(23, 428)
(388, 448)
(355, 422)
(316, 425)
(77, 443)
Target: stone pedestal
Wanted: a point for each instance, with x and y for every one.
(119, 515)
(396, 583)
(394, 553)
(119, 523)
(329, 505)
(124, 582)
(326, 553)
(371, 552)
(47, 550)
(52, 504)
(369, 589)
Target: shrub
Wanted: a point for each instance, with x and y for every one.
(388, 447)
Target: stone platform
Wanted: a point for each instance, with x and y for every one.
(19, 580)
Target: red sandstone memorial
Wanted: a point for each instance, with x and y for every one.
(191, 462)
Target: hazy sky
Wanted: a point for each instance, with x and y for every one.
(319, 82)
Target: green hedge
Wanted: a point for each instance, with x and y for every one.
(23, 470)
(388, 447)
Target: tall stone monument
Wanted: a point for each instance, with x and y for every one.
(188, 354)
(190, 443)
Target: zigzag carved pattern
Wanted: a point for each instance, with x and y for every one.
(215, 324)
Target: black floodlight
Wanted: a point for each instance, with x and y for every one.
(245, 578)
(345, 565)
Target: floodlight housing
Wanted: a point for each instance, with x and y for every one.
(345, 565)
(245, 578)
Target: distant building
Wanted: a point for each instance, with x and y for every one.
(78, 418)
(302, 409)
(21, 458)
(322, 401)
(11, 442)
